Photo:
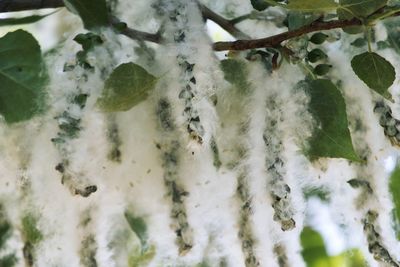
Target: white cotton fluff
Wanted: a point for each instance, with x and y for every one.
(360, 107)
(291, 116)
(237, 122)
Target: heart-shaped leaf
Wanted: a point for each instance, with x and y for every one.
(331, 138)
(128, 85)
(375, 71)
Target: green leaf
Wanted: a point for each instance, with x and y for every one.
(93, 13)
(318, 38)
(384, 44)
(349, 9)
(393, 34)
(322, 69)
(299, 19)
(259, 5)
(316, 55)
(358, 183)
(394, 188)
(120, 26)
(320, 192)
(315, 255)
(374, 71)
(344, 14)
(88, 40)
(296, 19)
(128, 85)
(235, 72)
(141, 259)
(360, 8)
(359, 42)
(22, 77)
(313, 247)
(312, 5)
(139, 227)
(23, 20)
(331, 138)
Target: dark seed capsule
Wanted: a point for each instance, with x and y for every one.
(60, 167)
(391, 131)
(87, 191)
(391, 122)
(288, 225)
(382, 120)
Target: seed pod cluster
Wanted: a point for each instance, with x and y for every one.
(245, 226)
(390, 125)
(279, 189)
(170, 163)
(69, 124)
(115, 142)
(178, 19)
(375, 246)
(280, 252)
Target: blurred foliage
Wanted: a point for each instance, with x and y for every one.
(315, 254)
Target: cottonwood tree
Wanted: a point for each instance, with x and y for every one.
(134, 142)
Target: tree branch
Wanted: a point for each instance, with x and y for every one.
(135, 34)
(276, 40)
(244, 44)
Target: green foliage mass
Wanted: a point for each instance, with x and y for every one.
(315, 255)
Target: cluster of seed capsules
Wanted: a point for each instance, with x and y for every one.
(375, 246)
(245, 231)
(170, 158)
(391, 126)
(69, 125)
(279, 189)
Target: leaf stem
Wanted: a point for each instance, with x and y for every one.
(368, 34)
(307, 68)
(373, 19)
(240, 18)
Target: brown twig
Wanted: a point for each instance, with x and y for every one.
(135, 34)
(276, 40)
